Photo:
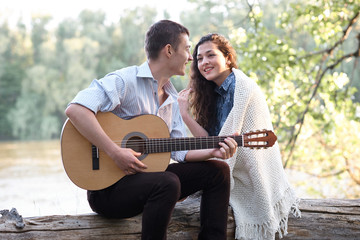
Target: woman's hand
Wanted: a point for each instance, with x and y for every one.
(183, 101)
(184, 106)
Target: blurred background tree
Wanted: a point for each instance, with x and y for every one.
(304, 55)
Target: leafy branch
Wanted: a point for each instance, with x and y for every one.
(352, 170)
(319, 77)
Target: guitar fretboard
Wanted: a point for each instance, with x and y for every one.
(159, 145)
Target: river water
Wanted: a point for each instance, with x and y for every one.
(33, 180)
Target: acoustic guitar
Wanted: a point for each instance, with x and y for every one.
(90, 168)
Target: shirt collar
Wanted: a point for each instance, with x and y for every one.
(226, 84)
(144, 71)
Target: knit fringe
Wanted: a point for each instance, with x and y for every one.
(277, 224)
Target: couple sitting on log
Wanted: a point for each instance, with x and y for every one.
(221, 105)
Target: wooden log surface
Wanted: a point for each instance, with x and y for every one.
(326, 219)
(320, 219)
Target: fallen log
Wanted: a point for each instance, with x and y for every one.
(320, 219)
(326, 219)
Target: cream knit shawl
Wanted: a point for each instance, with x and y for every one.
(261, 196)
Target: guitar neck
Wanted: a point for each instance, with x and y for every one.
(158, 145)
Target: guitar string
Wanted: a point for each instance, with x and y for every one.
(174, 141)
(154, 143)
(154, 147)
(182, 141)
(160, 142)
(187, 140)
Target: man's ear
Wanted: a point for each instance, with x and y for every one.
(168, 50)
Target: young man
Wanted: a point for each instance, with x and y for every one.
(147, 89)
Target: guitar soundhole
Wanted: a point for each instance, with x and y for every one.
(135, 141)
(136, 144)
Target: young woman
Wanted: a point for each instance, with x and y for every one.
(222, 100)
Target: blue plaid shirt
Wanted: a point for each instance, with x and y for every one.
(224, 103)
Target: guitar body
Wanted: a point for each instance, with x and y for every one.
(77, 152)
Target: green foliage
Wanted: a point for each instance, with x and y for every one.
(310, 95)
(15, 58)
(44, 68)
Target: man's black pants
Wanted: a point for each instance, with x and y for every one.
(155, 195)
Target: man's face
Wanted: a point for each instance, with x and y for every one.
(181, 56)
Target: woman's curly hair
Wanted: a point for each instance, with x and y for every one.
(203, 102)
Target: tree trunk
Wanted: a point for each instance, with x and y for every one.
(320, 219)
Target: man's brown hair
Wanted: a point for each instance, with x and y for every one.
(162, 33)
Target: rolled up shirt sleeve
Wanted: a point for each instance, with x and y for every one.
(178, 131)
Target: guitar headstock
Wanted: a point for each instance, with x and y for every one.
(259, 139)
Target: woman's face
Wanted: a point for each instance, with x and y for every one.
(211, 63)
